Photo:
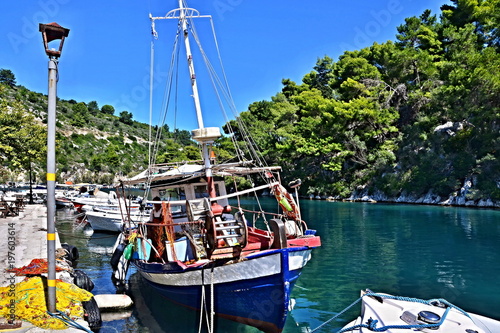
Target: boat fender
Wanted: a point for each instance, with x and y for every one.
(127, 252)
(115, 258)
(110, 302)
(92, 314)
(81, 280)
(73, 253)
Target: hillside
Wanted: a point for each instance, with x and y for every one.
(414, 120)
(410, 120)
(93, 145)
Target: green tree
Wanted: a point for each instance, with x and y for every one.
(22, 138)
(126, 117)
(108, 109)
(488, 14)
(80, 116)
(93, 108)
(183, 137)
(7, 77)
(321, 77)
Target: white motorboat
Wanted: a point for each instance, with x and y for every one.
(396, 314)
(114, 221)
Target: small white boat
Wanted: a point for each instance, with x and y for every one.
(104, 203)
(113, 221)
(396, 314)
(63, 203)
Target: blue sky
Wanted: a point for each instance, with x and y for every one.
(106, 57)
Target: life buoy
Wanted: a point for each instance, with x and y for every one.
(286, 202)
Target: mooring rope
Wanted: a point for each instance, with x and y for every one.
(372, 323)
(63, 317)
(212, 298)
(202, 305)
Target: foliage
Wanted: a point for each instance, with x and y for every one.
(7, 77)
(371, 118)
(93, 108)
(413, 115)
(22, 138)
(126, 117)
(108, 109)
(92, 145)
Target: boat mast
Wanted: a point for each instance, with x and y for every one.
(205, 136)
(192, 74)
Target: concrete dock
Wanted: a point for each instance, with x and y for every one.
(23, 238)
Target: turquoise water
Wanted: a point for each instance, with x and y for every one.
(410, 250)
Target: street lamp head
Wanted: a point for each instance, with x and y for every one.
(50, 32)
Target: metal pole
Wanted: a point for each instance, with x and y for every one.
(51, 185)
(192, 74)
(31, 184)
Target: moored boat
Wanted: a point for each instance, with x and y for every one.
(113, 221)
(63, 202)
(103, 202)
(391, 314)
(201, 252)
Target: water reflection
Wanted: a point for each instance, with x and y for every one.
(415, 251)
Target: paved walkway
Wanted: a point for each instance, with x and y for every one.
(23, 238)
(26, 235)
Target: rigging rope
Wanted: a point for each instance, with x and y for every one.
(166, 99)
(253, 150)
(247, 152)
(212, 305)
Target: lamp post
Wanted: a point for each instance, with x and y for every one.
(51, 32)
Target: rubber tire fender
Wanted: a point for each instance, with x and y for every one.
(81, 280)
(92, 314)
(73, 253)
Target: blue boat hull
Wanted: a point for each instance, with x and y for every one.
(262, 300)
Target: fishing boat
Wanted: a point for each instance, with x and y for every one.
(202, 252)
(387, 313)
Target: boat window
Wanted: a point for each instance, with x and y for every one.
(201, 191)
(173, 194)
